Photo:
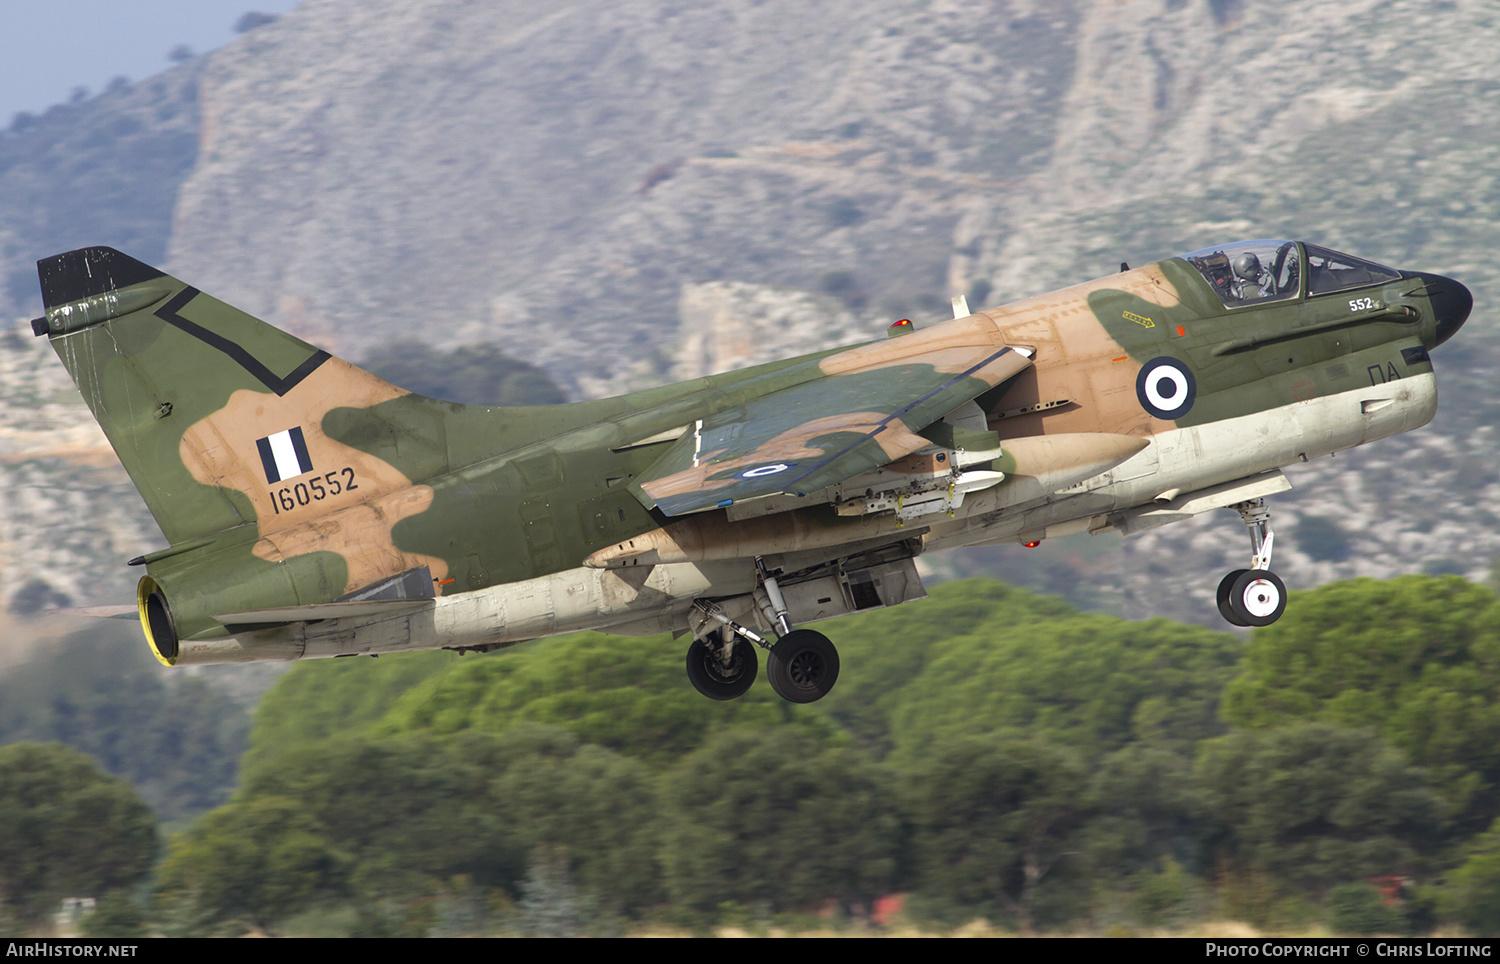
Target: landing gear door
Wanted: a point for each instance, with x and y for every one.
(853, 590)
(889, 584)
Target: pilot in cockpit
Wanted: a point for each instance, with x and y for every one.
(1251, 281)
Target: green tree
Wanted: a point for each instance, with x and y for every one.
(249, 863)
(776, 817)
(472, 805)
(403, 811)
(1146, 811)
(1314, 805)
(1096, 683)
(992, 818)
(66, 830)
(323, 698)
(592, 809)
(1360, 909)
(115, 915)
(627, 695)
(177, 740)
(1472, 894)
(883, 652)
(1417, 658)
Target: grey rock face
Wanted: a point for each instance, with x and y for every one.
(363, 174)
(69, 516)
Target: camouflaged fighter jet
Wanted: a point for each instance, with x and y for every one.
(312, 509)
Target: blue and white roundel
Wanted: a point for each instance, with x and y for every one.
(1166, 388)
(761, 471)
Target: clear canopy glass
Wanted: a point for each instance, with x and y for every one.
(1331, 271)
(1251, 272)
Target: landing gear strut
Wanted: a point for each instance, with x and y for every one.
(721, 662)
(721, 667)
(803, 665)
(1254, 596)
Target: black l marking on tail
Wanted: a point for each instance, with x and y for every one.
(169, 313)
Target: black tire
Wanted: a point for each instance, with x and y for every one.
(1226, 590)
(803, 666)
(717, 681)
(1258, 597)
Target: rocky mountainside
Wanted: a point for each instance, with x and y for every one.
(630, 191)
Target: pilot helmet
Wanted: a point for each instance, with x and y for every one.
(1247, 266)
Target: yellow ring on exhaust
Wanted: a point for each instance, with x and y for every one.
(143, 591)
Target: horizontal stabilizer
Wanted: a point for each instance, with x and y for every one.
(402, 593)
(313, 613)
(124, 611)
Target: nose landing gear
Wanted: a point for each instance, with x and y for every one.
(1254, 596)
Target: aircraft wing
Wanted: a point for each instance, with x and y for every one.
(864, 412)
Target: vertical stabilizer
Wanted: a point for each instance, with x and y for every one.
(217, 416)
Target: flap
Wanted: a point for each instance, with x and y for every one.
(857, 417)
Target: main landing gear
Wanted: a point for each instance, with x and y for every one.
(721, 666)
(1254, 596)
(802, 666)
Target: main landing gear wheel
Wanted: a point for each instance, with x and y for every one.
(716, 679)
(803, 666)
(1258, 597)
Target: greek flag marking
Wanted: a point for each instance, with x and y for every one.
(284, 455)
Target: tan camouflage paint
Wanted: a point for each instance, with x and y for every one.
(1078, 360)
(220, 450)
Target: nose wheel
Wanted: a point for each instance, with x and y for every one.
(1254, 596)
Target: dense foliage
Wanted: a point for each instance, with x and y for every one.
(66, 829)
(990, 752)
(1417, 659)
(177, 739)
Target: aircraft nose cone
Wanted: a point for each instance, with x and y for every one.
(1451, 303)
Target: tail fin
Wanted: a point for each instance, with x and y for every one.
(220, 418)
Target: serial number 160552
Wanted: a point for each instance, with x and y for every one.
(316, 489)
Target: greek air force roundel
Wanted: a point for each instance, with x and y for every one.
(761, 471)
(1166, 388)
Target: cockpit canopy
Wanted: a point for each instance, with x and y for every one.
(1268, 270)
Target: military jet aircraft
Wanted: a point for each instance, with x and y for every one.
(313, 510)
